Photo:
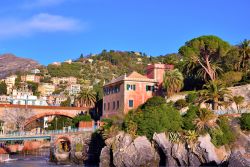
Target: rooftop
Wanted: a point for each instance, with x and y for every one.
(134, 76)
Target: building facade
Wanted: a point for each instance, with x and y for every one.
(130, 91)
(69, 80)
(31, 78)
(56, 100)
(10, 82)
(46, 89)
(25, 97)
(73, 89)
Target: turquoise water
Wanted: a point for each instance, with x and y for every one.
(31, 161)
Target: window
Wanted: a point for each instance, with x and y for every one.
(113, 105)
(117, 105)
(104, 107)
(131, 103)
(131, 87)
(149, 88)
(108, 106)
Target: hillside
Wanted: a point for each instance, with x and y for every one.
(10, 64)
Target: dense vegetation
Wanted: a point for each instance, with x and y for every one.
(3, 88)
(154, 116)
(245, 121)
(202, 59)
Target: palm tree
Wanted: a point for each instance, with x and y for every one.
(173, 82)
(244, 48)
(215, 93)
(206, 120)
(86, 98)
(238, 100)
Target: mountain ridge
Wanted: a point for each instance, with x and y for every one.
(10, 64)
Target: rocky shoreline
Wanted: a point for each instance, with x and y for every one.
(122, 150)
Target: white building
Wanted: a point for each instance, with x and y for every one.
(68, 61)
(74, 89)
(35, 71)
(25, 97)
(4, 99)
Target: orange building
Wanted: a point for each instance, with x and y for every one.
(129, 91)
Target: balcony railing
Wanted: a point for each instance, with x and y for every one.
(45, 133)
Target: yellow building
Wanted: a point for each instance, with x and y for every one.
(46, 89)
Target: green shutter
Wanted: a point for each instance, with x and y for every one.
(146, 87)
(134, 87)
(127, 86)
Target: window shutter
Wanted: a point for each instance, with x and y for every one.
(134, 87)
(127, 86)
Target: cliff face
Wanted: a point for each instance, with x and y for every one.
(10, 64)
(122, 150)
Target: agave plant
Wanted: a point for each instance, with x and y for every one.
(174, 137)
(191, 137)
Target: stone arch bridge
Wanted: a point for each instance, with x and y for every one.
(33, 113)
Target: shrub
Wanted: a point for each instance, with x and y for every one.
(154, 101)
(189, 117)
(231, 77)
(153, 118)
(79, 147)
(107, 123)
(191, 97)
(181, 103)
(79, 118)
(245, 121)
(223, 134)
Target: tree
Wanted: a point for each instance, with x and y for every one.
(86, 97)
(238, 100)
(203, 53)
(33, 87)
(214, 93)
(173, 82)
(232, 61)
(231, 77)
(66, 103)
(59, 122)
(244, 48)
(15, 119)
(205, 121)
(3, 88)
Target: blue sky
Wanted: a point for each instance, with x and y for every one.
(56, 30)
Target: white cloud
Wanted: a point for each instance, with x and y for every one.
(29, 4)
(43, 22)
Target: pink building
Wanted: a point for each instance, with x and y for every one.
(129, 91)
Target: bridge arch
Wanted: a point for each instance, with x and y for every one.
(49, 113)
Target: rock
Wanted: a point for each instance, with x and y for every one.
(218, 155)
(180, 153)
(193, 160)
(105, 158)
(237, 160)
(166, 146)
(62, 157)
(128, 152)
